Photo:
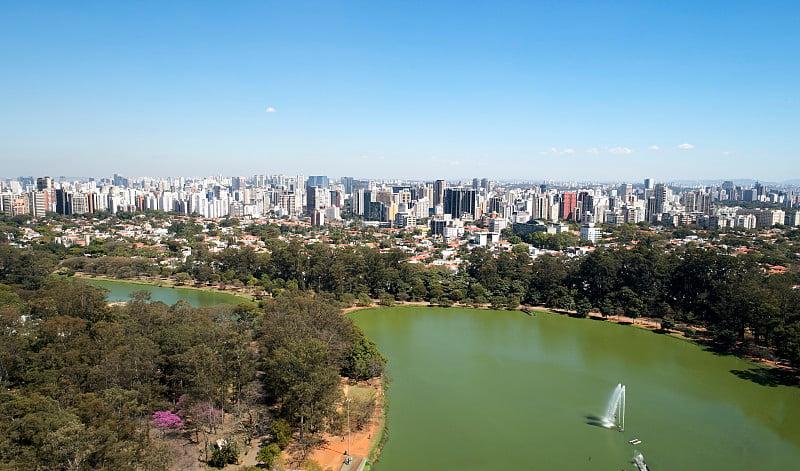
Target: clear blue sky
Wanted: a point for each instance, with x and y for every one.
(529, 90)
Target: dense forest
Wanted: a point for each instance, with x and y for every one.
(91, 386)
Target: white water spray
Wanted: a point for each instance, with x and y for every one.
(615, 410)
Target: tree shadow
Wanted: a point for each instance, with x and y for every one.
(714, 347)
(768, 376)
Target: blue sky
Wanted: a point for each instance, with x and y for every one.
(605, 91)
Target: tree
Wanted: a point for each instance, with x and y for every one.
(386, 300)
(166, 421)
(181, 278)
(787, 342)
(268, 455)
(281, 433)
(583, 307)
(364, 361)
(364, 300)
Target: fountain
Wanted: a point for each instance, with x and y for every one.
(615, 411)
(638, 460)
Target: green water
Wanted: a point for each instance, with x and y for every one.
(500, 390)
(121, 290)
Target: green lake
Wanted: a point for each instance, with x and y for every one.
(121, 290)
(501, 390)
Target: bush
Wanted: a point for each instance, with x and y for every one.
(281, 433)
(386, 300)
(227, 454)
(268, 454)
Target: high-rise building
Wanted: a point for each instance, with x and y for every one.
(438, 192)
(317, 180)
(660, 194)
(64, 202)
(569, 201)
(317, 198)
(648, 183)
(347, 182)
(460, 202)
(44, 183)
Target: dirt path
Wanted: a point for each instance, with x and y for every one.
(332, 454)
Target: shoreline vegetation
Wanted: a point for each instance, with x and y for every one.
(687, 332)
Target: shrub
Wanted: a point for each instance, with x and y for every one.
(268, 454)
(226, 454)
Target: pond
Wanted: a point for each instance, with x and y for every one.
(121, 290)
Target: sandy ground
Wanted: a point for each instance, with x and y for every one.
(332, 453)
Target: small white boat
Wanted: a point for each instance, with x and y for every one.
(635, 441)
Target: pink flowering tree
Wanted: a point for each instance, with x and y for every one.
(166, 421)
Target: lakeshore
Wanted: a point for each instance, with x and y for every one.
(362, 444)
(119, 292)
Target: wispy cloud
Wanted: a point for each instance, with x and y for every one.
(593, 150)
(270, 109)
(686, 146)
(620, 150)
(557, 151)
(654, 148)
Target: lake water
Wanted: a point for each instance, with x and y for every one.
(121, 290)
(493, 390)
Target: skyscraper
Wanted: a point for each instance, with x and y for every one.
(459, 202)
(438, 192)
(317, 180)
(569, 201)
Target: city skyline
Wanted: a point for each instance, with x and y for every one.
(516, 91)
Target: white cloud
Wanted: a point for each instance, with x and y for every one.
(270, 109)
(686, 146)
(593, 150)
(654, 148)
(556, 151)
(621, 150)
